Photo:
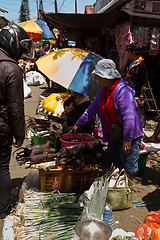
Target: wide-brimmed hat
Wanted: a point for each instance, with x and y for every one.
(106, 68)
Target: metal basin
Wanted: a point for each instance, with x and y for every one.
(93, 229)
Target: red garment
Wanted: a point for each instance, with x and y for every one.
(107, 104)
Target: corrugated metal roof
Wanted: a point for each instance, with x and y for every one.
(151, 9)
(113, 5)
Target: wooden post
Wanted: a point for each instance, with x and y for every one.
(37, 9)
(55, 6)
(76, 6)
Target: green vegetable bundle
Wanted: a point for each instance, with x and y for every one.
(46, 216)
(96, 204)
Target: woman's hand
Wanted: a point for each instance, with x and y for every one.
(126, 146)
(74, 129)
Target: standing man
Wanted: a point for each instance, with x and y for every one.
(46, 50)
(136, 74)
(14, 44)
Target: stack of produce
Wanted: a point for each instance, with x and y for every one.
(46, 216)
(38, 128)
(37, 124)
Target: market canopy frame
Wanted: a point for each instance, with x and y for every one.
(74, 26)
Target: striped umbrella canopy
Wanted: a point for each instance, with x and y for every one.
(37, 30)
(72, 68)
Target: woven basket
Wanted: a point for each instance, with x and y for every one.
(120, 197)
(40, 140)
(68, 140)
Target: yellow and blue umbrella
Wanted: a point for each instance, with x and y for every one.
(72, 68)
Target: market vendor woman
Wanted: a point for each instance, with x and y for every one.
(116, 105)
(74, 107)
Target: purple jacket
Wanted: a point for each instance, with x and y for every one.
(42, 53)
(126, 108)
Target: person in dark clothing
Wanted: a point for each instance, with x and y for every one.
(74, 106)
(14, 44)
(46, 50)
(136, 74)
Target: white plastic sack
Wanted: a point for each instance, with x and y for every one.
(150, 147)
(27, 90)
(122, 180)
(8, 233)
(86, 196)
(30, 181)
(34, 78)
(122, 233)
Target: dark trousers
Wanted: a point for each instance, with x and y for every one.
(5, 154)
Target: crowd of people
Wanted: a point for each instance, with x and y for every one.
(117, 104)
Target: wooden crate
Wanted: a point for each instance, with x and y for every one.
(67, 180)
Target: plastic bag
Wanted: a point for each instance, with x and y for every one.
(120, 232)
(142, 146)
(8, 232)
(153, 216)
(118, 179)
(27, 90)
(156, 234)
(34, 78)
(30, 181)
(148, 230)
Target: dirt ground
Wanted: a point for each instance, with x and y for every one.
(147, 186)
